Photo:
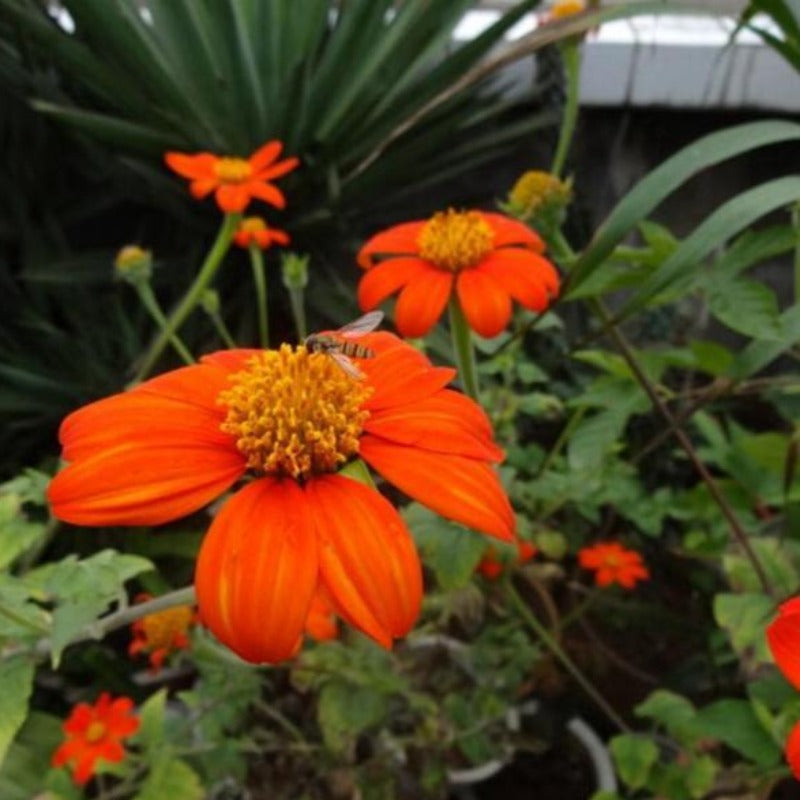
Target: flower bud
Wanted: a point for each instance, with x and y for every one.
(133, 264)
(294, 269)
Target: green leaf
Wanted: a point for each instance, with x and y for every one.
(674, 712)
(744, 617)
(700, 775)
(345, 711)
(665, 179)
(172, 778)
(634, 757)
(777, 558)
(759, 354)
(151, 716)
(747, 307)
(735, 723)
(16, 680)
(451, 551)
(711, 357)
(24, 772)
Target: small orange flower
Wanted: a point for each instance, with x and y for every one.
(613, 563)
(491, 566)
(562, 9)
(486, 259)
(235, 181)
(254, 230)
(95, 733)
(783, 637)
(161, 633)
(291, 419)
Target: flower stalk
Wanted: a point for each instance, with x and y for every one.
(151, 304)
(260, 283)
(571, 56)
(192, 297)
(463, 350)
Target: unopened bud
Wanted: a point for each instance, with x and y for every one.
(294, 269)
(209, 300)
(133, 264)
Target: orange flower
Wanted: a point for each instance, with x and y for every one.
(565, 8)
(291, 419)
(254, 230)
(161, 633)
(486, 259)
(492, 567)
(783, 637)
(235, 181)
(95, 733)
(613, 563)
(321, 621)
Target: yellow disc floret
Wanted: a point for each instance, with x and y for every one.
(295, 413)
(233, 170)
(161, 629)
(455, 240)
(252, 225)
(95, 732)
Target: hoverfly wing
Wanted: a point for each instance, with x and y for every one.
(362, 325)
(347, 365)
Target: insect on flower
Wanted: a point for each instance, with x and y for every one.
(339, 345)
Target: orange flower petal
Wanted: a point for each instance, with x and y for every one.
(460, 426)
(422, 302)
(367, 557)
(233, 198)
(783, 637)
(386, 278)
(793, 750)
(268, 193)
(197, 166)
(143, 482)
(279, 237)
(265, 155)
(396, 241)
(84, 768)
(508, 231)
(277, 170)
(257, 570)
(456, 487)
(202, 187)
(530, 279)
(485, 304)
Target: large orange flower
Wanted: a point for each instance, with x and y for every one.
(291, 419)
(235, 181)
(95, 733)
(613, 563)
(783, 636)
(487, 259)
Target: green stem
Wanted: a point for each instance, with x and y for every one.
(297, 300)
(260, 281)
(462, 347)
(571, 55)
(563, 437)
(150, 302)
(222, 329)
(796, 226)
(562, 656)
(193, 294)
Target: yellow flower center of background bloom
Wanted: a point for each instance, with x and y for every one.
(295, 413)
(567, 8)
(161, 629)
(253, 224)
(612, 561)
(95, 732)
(233, 170)
(455, 240)
(534, 189)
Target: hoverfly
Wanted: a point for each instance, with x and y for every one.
(339, 345)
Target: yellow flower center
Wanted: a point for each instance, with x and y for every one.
(252, 224)
(95, 732)
(567, 8)
(455, 240)
(160, 629)
(295, 413)
(534, 189)
(233, 170)
(612, 561)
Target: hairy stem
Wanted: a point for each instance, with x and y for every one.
(464, 352)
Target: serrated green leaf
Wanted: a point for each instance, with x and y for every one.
(674, 712)
(16, 680)
(744, 617)
(700, 775)
(735, 723)
(345, 711)
(151, 716)
(172, 778)
(634, 756)
(747, 307)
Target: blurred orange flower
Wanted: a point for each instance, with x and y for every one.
(235, 181)
(321, 621)
(562, 9)
(292, 419)
(486, 259)
(491, 566)
(254, 230)
(613, 563)
(783, 636)
(95, 733)
(161, 633)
